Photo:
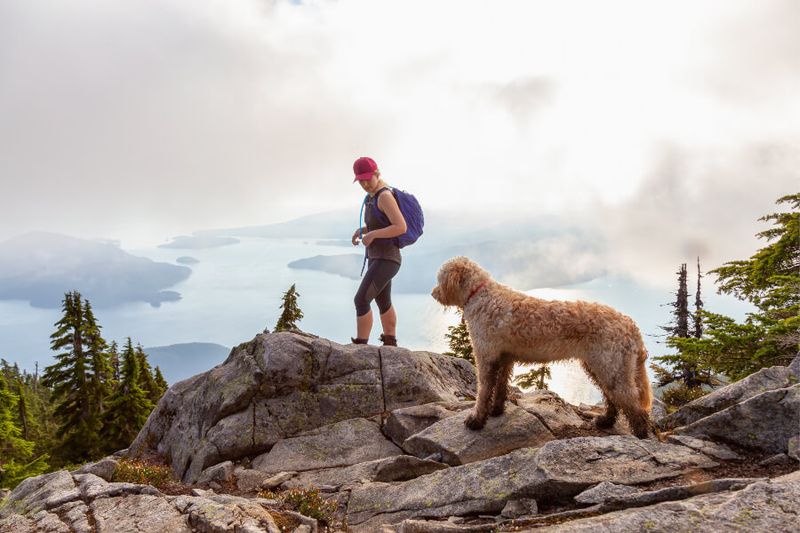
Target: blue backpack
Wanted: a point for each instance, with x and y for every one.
(412, 213)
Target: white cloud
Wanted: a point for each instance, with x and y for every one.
(146, 119)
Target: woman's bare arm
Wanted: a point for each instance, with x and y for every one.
(388, 204)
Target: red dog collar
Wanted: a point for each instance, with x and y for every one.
(475, 290)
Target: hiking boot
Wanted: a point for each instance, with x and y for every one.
(358, 341)
(388, 340)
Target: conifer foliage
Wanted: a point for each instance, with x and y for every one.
(15, 451)
(100, 401)
(458, 339)
(690, 372)
(770, 280)
(537, 377)
(291, 314)
(70, 378)
(130, 404)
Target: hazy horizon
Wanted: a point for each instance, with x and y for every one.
(669, 127)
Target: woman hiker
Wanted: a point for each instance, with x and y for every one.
(383, 255)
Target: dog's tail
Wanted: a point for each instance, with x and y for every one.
(642, 379)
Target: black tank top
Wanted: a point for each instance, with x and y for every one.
(380, 248)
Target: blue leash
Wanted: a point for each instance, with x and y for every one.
(360, 233)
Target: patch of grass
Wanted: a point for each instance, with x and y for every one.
(307, 502)
(681, 395)
(143, 473)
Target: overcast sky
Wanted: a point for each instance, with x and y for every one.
(672, 125)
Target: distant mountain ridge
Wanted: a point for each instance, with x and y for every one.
(40, 267)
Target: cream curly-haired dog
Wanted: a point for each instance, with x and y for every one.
(507, 326)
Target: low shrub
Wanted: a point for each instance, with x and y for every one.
(307, 502)
(681, 395)
(143, 473)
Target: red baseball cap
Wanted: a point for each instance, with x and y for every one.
(364, 167)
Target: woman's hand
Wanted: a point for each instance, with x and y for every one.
(356, 236)
(367, 238)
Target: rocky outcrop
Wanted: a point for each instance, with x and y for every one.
(452, 444)
(559, 468)
(345, 443)
(65, 502)
(766, 379)
(380, 432)
(765, 422)
(280, 385)
(768, 505)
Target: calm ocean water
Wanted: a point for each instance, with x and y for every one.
(235, 291)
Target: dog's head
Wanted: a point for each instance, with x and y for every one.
(456, 279)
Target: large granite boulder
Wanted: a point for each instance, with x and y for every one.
(763, 422)
(406, 421)
(396, 468)
(556, 414)
(766, 379)
(558, 468)
(86, 503)
(454, 444)
(344, 443)
(771, 505)
(280, 385)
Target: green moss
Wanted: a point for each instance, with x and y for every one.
(744, 516)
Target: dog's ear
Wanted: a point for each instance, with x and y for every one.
(453, 283)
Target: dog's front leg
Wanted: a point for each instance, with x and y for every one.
(504, 370)
(487, 379)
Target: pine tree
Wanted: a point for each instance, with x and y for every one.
(146, 381)
(536, 377)
(770, 280)
(79, 379)
(161, 383)
(680, 325)
(69, 379)
(458, 339)
(291, 311)
(128, 407)
(100, 377)
(22, 409)
(14, 450)
(698, 307)
(682, 366)
(113, 360)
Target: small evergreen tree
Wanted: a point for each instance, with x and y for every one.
(537, 377)
(113, 360)
(146, 381)
(683, 367)
(698, 307)
(128, 407)
(770, 280)
(22, 410)
(458, 339)
(69, 379)
(680, 324)
(15, 451)
(291, 314)
(161, 383)
(100, 381)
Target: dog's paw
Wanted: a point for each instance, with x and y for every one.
(498, 410)
(604, 422)
(473, 422)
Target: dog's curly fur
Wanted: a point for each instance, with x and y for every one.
(507, 326)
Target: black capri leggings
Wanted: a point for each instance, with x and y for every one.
(376, 285)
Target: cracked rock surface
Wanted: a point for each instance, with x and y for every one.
(86, 503)
(280, 385)
(380, 433)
